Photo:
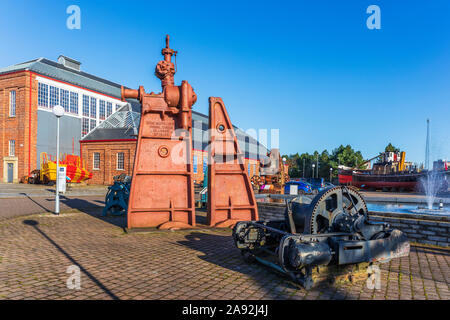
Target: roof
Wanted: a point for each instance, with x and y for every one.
(58, 71)
(121, 125)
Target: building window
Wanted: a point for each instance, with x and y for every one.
(101, 110)
(108, 109)
(96, 162)
(93, 108)
(85, 127)
(92, 125)
(120, 160)
(195, 163)
(65, 99)
(12, 103)
(12, 148)
(54, 96)
(254, 169)
(74, 102)
(249, 169)
(205, 164)
(117, 107)
(85, 105)
(42, 95)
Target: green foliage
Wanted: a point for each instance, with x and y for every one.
(391, 148)
(301, 165)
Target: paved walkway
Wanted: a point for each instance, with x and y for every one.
(16, 207)
(18, 190)
(36, 251)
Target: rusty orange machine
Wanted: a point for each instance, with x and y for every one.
(162, 190)
(230, 193)
(273, 174)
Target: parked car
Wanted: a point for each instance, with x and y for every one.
(317, 184)
(34, 177)
(297, 187)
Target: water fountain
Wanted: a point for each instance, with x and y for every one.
(432, 183)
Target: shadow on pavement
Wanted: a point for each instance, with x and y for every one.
(34, 224)
(95, 210)
(91, 207)
(220, 250)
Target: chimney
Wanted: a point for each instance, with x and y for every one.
(69, 63)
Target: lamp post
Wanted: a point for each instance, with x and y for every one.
(58, 111)
(331, 172)
(313, 171)
(317, 161)
(304, 167)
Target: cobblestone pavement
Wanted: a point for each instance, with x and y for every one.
(35, 252)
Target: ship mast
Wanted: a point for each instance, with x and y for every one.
(427, 147)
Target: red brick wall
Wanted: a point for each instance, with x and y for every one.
(18, 128)
(108, 159)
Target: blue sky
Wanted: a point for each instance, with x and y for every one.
(309, 68)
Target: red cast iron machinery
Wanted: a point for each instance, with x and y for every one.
(230, 193)
(162, 190)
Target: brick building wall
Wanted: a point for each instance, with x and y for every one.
(22, 127)
(108, 151)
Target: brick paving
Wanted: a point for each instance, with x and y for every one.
(24, 206)
(36, 251)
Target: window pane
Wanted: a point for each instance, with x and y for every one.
(102, 111)
(120, 161)
(93, 108)
(54, 96)
(93, 124)
(85, 105)
(74, 102)
(195, 163)
(65, 99)
(108, 109)
(12, 103)
(205, 163)
(96, 161)
(12, 148)
(85, 127)
(42, 95)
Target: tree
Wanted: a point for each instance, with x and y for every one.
(301, 165)
(391, 148)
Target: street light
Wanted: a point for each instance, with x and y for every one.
(313, 171)
(331, 172)
(58, 111)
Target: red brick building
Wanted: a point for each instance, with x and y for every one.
(28, 93)
(18, 124)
